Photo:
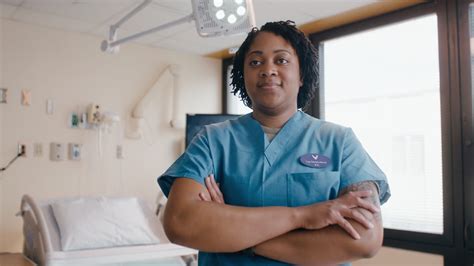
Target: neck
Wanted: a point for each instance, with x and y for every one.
(273, 120)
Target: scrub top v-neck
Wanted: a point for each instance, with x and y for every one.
(307, 161)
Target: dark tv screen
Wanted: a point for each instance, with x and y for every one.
(194, 123)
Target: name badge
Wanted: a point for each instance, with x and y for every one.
(315, 160)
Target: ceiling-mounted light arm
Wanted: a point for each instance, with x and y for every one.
(108, 46)
(112, 44)
(213, 18)
(113, 28)
(129, 15)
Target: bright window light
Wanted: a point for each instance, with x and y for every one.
(241, 11)
(218, 3)
(231, 18)
(220, 14)
(389, 72)
(239, 2)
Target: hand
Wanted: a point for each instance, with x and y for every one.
(337, 211)
(215, 193)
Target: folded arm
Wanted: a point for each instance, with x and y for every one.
(215, 227)
(330, 245)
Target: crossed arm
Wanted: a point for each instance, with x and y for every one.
(313, 234)
(332, 244)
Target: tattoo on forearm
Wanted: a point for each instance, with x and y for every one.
(374, 198)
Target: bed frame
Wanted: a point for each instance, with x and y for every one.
(42, 241)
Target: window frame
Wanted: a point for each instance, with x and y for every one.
(467, 104)
(448, 244)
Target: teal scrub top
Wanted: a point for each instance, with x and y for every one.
(254, 172)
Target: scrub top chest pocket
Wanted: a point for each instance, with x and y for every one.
(309, 188)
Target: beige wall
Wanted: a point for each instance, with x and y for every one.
(399, 257)
(70, 69)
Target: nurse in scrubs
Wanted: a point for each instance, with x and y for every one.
(292, 189)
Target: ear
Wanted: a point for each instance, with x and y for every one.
(301, 83)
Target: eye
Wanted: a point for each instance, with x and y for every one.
(255, 62)
(282, 61)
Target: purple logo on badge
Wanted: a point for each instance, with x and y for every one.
(315, 160)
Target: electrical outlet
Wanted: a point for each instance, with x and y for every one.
(22, 149)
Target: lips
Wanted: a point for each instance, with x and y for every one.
(268, 85)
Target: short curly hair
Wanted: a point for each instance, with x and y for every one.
(307, 56)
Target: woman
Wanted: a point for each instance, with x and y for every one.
(297, 190)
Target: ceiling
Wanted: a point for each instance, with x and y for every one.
(95, 16)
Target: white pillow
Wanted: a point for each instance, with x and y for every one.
(90, 223)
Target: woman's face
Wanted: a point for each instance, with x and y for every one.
(272, 74)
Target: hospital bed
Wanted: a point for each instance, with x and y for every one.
(43, 244)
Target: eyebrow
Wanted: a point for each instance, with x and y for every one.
(258, 52)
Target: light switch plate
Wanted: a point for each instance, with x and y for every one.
(37, 149)
(49, 107)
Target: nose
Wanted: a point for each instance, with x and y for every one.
(267, 70)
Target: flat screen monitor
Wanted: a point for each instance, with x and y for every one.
(194, 123)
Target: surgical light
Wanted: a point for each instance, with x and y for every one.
(212, 18)
(231, 18)
(218, 3)
(220, 14)
(241, 11)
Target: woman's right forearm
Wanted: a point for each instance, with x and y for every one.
(213, 227)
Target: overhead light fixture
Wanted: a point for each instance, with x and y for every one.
(213, 18)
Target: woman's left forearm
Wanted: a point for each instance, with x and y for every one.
(327, 246)
(330, 245)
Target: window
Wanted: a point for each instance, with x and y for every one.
(234, 103)
(384, 83)
(404, 81)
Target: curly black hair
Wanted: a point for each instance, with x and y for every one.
(307, 56)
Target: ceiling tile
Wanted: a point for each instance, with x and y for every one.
(96, 16)
(12, 2)
(151, 17)
(182, 7)
(52, 21)
(322, 9)
(6, 11)
(280, 10)
(94, 12)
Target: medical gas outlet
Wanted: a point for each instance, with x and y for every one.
(75, 151)
(59, 151)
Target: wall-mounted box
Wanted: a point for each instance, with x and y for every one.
(57, 151)
(75, 151)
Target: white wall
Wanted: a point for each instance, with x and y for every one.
(70, 69)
